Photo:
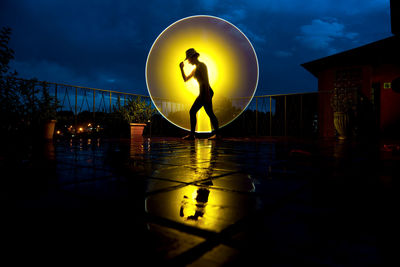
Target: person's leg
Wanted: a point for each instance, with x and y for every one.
(193, 111)
(210, 112)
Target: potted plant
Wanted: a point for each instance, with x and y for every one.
(23, 107)
(341, 103)
(137, 113)
(47, 110)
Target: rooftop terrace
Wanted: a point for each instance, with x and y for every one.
(226, 202)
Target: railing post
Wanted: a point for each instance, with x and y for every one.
(119, 102)
(270, 115)
(55, 94)
(110, 101)
(301, 116)
(285, 118)
(76, 108)
(94, 105)
(33, 98)
(256, 116)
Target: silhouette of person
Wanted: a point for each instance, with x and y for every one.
(206, 93)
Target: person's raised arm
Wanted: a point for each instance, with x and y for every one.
(185, 78)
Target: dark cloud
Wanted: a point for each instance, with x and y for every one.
(321, 34)
(104, 43)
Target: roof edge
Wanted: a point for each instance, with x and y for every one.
(317, 65)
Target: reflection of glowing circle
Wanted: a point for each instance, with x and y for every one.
(232, 69)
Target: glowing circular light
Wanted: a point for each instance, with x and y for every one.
(232, 70)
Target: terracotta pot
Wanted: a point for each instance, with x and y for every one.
(342, 124)
(48, 129)
(137, 129)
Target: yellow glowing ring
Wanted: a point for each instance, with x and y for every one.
(232, 69)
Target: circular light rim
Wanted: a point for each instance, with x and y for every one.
(208, 16)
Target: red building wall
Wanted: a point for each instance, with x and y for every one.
(325, 113)
(389, 99)
(326, 83)
(389, 113)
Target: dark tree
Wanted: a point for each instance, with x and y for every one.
(6, 53)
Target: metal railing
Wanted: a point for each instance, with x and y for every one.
(286, 114)
(267, 115)
(78, 98)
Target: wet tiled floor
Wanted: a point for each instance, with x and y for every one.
(202, 202)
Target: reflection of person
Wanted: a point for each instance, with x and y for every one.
(201, 203)
(206, 93)
(198, 205)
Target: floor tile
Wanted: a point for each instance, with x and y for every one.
(201, 207)
(169, 243)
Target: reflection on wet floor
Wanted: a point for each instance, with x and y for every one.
(200, 206)
(223, 202)
(197, 203)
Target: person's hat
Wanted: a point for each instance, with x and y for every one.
(191, 53)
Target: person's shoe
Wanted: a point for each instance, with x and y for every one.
(214, 137)
(188, 137)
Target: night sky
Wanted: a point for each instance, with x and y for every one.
(104, 43)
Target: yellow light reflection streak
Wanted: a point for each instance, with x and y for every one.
(201, 204)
